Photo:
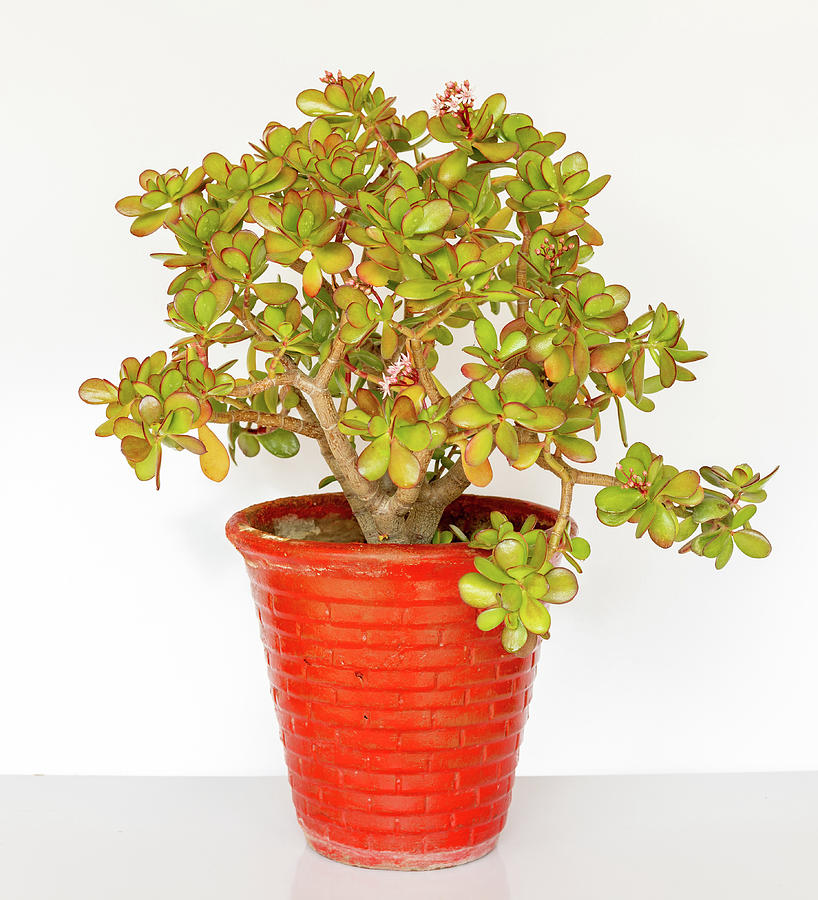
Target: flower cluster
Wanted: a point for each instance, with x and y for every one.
(639, 482)
(453, 99)
(401, 373)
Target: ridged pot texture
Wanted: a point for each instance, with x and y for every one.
(401, 721)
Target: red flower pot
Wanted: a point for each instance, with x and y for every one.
(401, 721)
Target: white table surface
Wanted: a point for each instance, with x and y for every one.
(595, 838)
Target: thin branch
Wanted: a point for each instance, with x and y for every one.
(258, 387)
(568, 476)
(385, 144)
(330, 364)
(431, 160)
(522, 275)
(595, 478)
(547, 461)
(267, 420)
(424, 373)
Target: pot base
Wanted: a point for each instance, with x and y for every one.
(397, 860)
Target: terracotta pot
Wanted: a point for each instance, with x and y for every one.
(401, 721)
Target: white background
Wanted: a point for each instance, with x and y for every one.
(128, 642)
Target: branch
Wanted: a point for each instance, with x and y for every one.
(431, 160)
(267, 420)
(449, 487)
(258, 387)
(424, 374)
(385, 144)
(339, 446)
(568, 476)
(330, 364)
(522, 275)
(547, 461)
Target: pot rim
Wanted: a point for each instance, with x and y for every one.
(244, 533)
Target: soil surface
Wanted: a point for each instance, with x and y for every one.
(334, 528)
(341, 529)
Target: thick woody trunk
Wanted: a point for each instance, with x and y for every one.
(418, 526)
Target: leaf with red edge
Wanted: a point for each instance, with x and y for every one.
(215, 461)
(312, 278)
(404, 469)
(574, 448)
(663, 527)
(98, 390)
(562, 585)
(374, 460)
(528, 454)
(479, 447)
(480, 475)
(607, 357)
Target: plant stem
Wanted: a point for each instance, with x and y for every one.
(267, 420)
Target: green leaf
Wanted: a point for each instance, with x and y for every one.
(414, 437)
(517, 386)
(479, 447)
(618, 499)
(469, 414)
(312, 278)
(576, 449)
(535, 616)
(663, 526)
(248, 444)
(334, 257)
(489, 569)
(513, 343)
(711, 508)
(608, 357)
(275, 293)
(486, 397)
(476, 590)
(580, 548)
(280, 442)
(418, 289)
(374, 460)
(724, 554)
(752, 543)
(743, 516)
(514, 638)
(510, 552)
(436, 213)
(507, 441)
(314, 103)
(682, 486)
(491, 618)
(546, 418)
(497, 152)
(216, 167)
(562, 585)
(453, 169)
(404, 469)
(486, 335)
(98, 390)
(145, 225)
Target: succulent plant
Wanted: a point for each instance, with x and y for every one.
(343, 258)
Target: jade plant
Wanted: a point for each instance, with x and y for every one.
(340, 257)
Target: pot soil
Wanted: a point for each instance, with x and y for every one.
(401, 721)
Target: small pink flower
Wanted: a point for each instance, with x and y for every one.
(329, 78)
(401, 372)
(454, 99)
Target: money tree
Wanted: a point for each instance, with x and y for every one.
(343, 260)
